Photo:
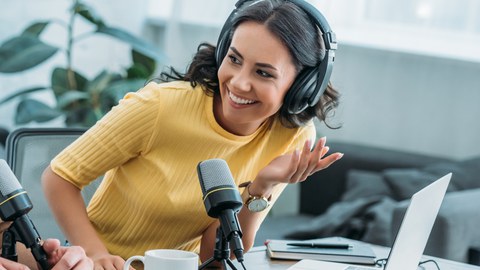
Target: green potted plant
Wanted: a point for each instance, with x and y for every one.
(81, 100)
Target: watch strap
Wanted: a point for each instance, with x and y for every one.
(246, 185)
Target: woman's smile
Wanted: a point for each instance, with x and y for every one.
(238, 100)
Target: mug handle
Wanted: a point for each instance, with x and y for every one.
(126, 266)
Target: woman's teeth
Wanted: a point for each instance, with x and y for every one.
(239, 100)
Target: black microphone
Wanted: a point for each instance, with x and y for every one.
(222, 200)
(14, 206)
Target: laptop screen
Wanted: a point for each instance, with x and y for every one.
(416, 226)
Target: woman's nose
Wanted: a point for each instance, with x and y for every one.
(241, 81)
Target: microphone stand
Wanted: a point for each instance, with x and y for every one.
(12, 235)
(221, 252)
(9, 250)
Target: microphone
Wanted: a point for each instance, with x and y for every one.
(14, 206)
(222, 200)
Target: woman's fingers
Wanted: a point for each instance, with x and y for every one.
(297, 166)
(303, 163)
(317, 153)
(311, 162)
(292, 168)
(324, 151)
(327, 161)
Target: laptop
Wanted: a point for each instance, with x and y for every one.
(412, 237)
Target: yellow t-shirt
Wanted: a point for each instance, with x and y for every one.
(149, 147)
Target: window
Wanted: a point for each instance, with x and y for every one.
(443, 28)
(433, 27)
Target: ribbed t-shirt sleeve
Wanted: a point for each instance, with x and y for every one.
(123, 133)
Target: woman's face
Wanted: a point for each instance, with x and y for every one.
(254, 77)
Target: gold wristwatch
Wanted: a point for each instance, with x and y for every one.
(255, 203)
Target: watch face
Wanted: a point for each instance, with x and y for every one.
(257, 205)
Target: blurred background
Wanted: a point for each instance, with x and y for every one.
(408, 71)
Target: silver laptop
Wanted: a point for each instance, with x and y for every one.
(411, 238)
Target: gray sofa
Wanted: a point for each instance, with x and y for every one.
(364, 195)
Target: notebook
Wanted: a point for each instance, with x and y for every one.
(356, 251)
(411, 238)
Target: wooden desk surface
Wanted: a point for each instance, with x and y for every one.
(257, 259)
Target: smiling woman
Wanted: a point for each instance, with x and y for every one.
(231, 104)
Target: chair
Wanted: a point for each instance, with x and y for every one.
(28, 152)
(3, 140)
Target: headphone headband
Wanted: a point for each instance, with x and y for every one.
(311, 82)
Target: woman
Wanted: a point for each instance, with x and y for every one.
(150, 144)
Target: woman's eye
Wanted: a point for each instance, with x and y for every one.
(264, 74)
(234, 59)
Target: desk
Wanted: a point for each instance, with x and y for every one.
(257, 259)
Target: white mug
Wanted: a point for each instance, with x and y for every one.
(165, 259)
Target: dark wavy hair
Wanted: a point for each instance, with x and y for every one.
(296, 31)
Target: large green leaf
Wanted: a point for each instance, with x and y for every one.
(21, 93)
(147, 62)
(138, 44)
(101, 82)
(70, 97)
(137, 71)
(81, 116)
(29, 110)
(62, 84)
(36, 28)
(118, 89)
(88, 13)
(23, 52)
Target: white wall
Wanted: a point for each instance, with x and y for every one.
(410, 102)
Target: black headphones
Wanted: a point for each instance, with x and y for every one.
(311, 82)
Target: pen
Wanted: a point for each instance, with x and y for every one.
(320, 245)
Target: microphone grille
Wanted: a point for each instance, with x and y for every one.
(8, 180)
(214, 173)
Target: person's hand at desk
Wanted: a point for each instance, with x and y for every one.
(61, 258)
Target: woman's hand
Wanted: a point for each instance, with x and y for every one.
(64, 258)
(294, 167)
(11, 265)
(108, 262)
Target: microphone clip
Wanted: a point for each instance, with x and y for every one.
(9, 249)
(221, 252)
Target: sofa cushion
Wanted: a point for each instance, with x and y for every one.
(362, 184)
(405, 182)
(340, 220)
(461, 178)
(472, 168)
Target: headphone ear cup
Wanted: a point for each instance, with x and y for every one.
(309, 85)
(297, 97)
(324, 71)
